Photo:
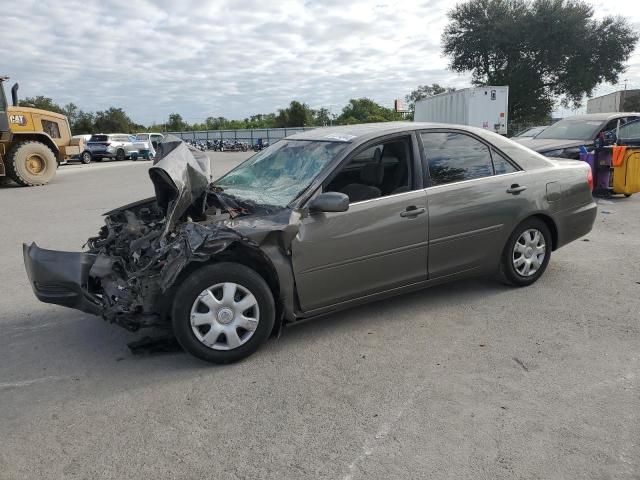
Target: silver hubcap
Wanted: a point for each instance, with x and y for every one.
(529, 252)
(224, 316)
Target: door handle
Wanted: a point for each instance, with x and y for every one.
(516, 189)
(412, 211)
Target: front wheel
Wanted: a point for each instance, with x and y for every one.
(120, 155)
(31, 163)
(526, 255)
(85, 157)
(223, 312)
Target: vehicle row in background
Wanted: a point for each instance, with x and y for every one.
(120, 146)
(564, 138)
(219, 145)
(608, 142)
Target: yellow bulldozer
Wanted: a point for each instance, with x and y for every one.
(33, 142)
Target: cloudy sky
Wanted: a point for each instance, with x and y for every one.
(232, 58)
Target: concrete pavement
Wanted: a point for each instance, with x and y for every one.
(468, 380)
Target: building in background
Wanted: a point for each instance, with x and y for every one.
(620, 101)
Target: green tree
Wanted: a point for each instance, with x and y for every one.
(113, 120)
(321, 117)
(83, 123)
(41, 102)
(423, 91)
(541, 49)
(365, 110)
(176, 123)
(297, 114)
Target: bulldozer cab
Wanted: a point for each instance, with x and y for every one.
(4, 116)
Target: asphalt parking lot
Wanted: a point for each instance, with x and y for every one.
(468, 380)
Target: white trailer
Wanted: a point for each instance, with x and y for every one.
(484, 107)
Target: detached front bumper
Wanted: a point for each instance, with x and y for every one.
(61, 278)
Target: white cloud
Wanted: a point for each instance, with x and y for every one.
(230, 58)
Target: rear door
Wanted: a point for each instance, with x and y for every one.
(380, 243)
(471, 209)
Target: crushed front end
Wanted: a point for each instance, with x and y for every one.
(129, 267)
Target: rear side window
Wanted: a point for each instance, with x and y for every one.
(99, 138)
(51, 128)
(500, 164)
(455, 157)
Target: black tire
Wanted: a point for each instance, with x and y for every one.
(43, 158)
(120, 155)
(206, 277)
(627, 195)
(508, 273)
(85, 157)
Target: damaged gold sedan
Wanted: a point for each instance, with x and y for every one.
(317, 222)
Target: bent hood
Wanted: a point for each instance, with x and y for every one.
(180, 176)
(547, 144)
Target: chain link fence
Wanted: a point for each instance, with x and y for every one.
(250, 136)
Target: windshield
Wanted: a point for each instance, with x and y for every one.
(572, 129)
(531, 132)
(630, 131)
(278, 174)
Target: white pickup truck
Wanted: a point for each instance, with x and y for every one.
(152, 140)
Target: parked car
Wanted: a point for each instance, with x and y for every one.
(154, 138)
(114, 145)
(531, 132)
(564, 138)
(318, 222)
(144, 148)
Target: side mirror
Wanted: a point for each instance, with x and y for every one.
(330, 202)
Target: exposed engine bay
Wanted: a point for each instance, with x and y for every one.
(143, 247)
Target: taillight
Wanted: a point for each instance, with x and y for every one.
(590, 179)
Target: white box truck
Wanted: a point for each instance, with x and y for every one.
(484, 107)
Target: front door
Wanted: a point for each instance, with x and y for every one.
(378, 244)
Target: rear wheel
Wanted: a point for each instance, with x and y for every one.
(85, 157)
(527, 253)
(31, 163)
(223, 312)
(120, 155)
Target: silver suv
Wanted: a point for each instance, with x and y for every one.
(114, 145)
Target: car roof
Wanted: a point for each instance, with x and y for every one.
(364, 131)
(601, 116)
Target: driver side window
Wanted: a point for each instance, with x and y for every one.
(379, 170)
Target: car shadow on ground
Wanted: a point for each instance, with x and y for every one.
(416, 303)
(76, 339)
